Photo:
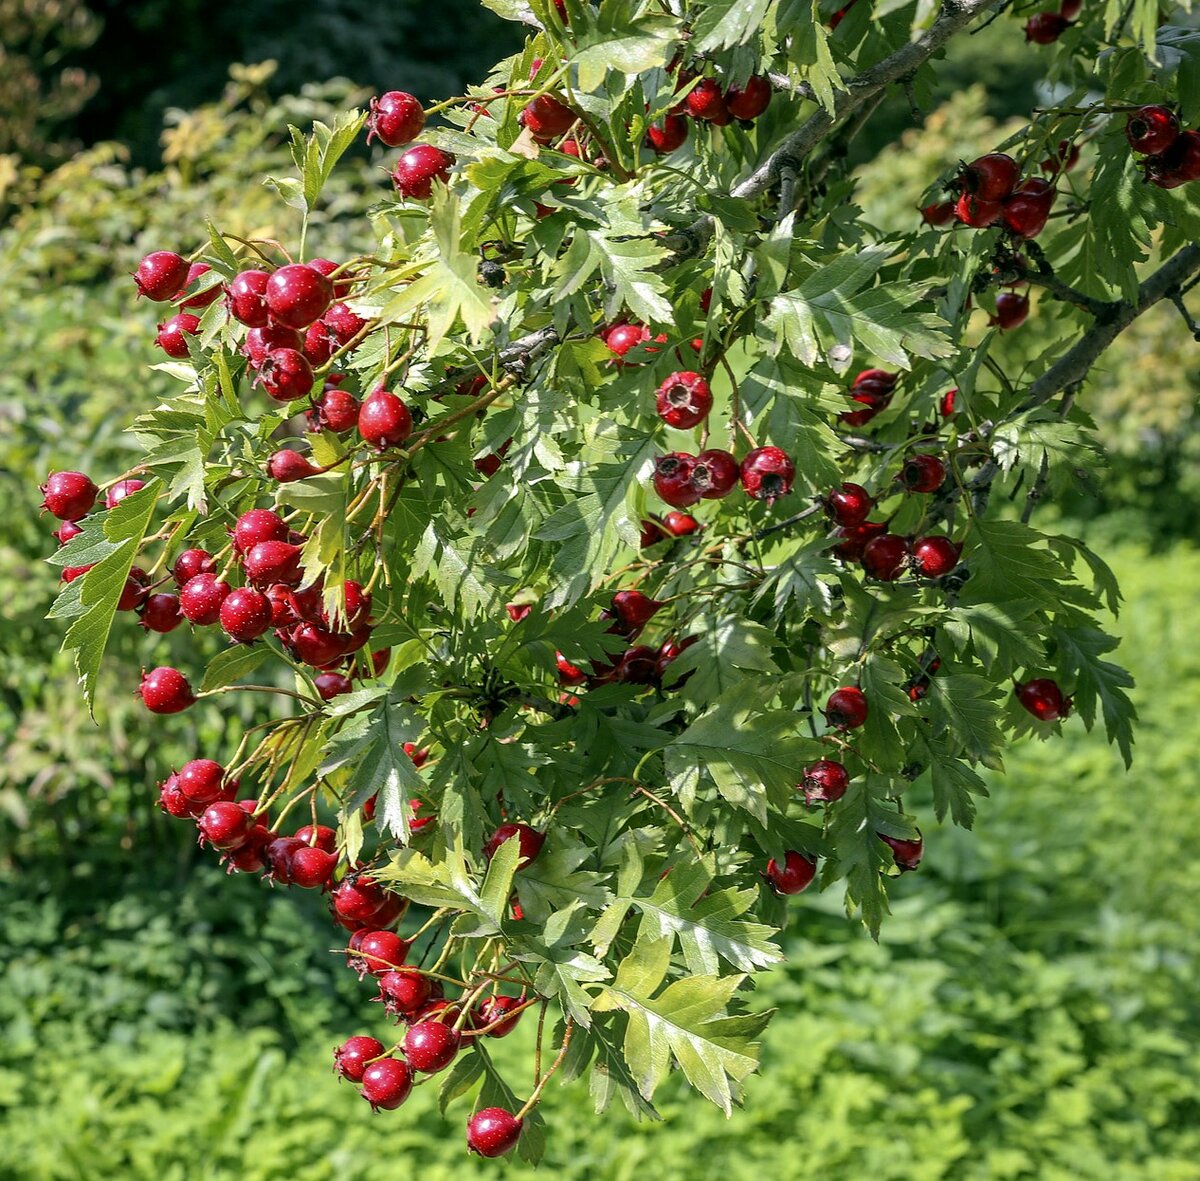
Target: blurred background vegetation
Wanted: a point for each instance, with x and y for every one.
(1031, 1009)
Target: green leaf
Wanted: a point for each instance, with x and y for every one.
(1009, 561)
(955, 784)
(960, 701)
(722, 24)
(1079, 651)
(860, 856)
(232, 664)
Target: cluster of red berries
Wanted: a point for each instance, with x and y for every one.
(1044, 28)
(707, 101)
(991, 190)
(872, 389)
(1172, 154)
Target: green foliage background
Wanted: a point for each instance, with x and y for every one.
(1030, 1012)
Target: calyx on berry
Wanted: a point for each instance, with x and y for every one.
(846, 708)
(824, 781)
(767, 474)
(1152, 129)
(351, 1057)
(991, 177)
(1044, 699)
(285, 375)
(923, 473)
(684, 400)
(848, 504)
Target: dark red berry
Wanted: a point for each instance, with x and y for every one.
(285, 375)
(173, 802)
(359, 899)
(384, 420)
(335, 410)
(1064, 158)
(855, 539)
(310, 867)
(321, 836)
(418, 168)
(848, 505)
(173, 333)
(1152, 129)
(319, 344)
(568, 674)
(492, 1015)
(906, 854)
(255, 525)
(134, 590)
(1178, 165)
(245, 614)
(201, 781)
(190, 563)
(824, 781)
(667, 136)
(120, 490)
(261, 341)
(273, 561)
(430, 1046)
(673, 479)
(382, 951)
(287, 465)
(224, 825)
(940, 213)
(885, 557)
(634, 610)
(545, 118)
(706, 102)
(66, 531)
(1026, 211)
(351, 1057)
(493, 1131)
(1070, 9)
(70, 573)
(344, 324)
(396, 117)
(246, 298)
(684, 400)
(201, 598)
(202, 298)
(297, 295)
(935, 556)
(846, 708)
(767, 474)
(403, 991)
(923, 473)
(530, 842)
(69, 495)
(165, 690)
(161, 275)
(1011, 310)
(715, 473)
(991, 177)
(312, 644)
(386, 1084)
(621, 338)
(1044, 28)
(793, 876)
(977, 213)
(161, 613)
(331, 685)
(1044, 699)
(749, 101)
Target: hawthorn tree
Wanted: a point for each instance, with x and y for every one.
(632, 535)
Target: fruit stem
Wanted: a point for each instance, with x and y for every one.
(532, 1101)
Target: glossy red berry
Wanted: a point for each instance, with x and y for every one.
(382, 951)
(848, 505)
(173, 803)
(621, 338)
(1012, 310)
(246, 298)
(906, 854)
(1178, 165)
(344, 324)
(794, 875)
(991, 177)
(715, 473)
(673, 479)
(202, 298)
(120, 490)
(431, 1046)
(310, 867)
(66, 531)
(684, 400)
(977, 213)
(667, 136)
(492, 1015)
(160, 613)
(255, 525)
(161, 275)
(749, 101)
(824, 781)
(165, 690)
(923, 473)
(386, 1084)
(343, 284)
(297, 295)
(885, 557)
(396, 117)
(403, 991)
(384, 420)
(319, 344)
(201, 781)
(418, 168)
(134, 590)
(69, 495)
(1044, 28)
(1026, 211)
(351, 1057)
(940, 213)
(493, 1132)
(287, 465)
(546, 118)
(846, 708)
(358, 899)
(173, 333)
(335, 410)
(1063, 159)
(855, 539)
(1152, 129)
(706, 102)
(285, 375)
(273, 561)
(245, 614)
(634, 609)
(767, 474)
(1044, 699)
(946, 406)
(201, 597)
(261, 341)
(530, 842)
(935, 556)
(224, 825)
(568, 674)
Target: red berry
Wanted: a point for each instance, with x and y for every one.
(69, 495)
(245, 614)
(684, 400)
(335, 410)
(255, 525)
(667, 136)
(246, 298)
(1044, 28)
(749, 101)
(331, 685)
(321, 836)
(1044, 699)
(418, 168)
(384, 420)
(225, 825)
(673, 479)
(1026, 211)
(529, 839)
(940, 213)
(846, 708)
(977, 213)
(161, 275)
(1179, 164)
(297, 295)
(278, 853)
(493, 1131)
(287, 465)
(935, 556)
(923, 473)
(793, 876)
(343, 323)
(285, 375)
(1070, 9)
(396, 117)
(274, 561)
(134, 590)
(165, 690)
(319, 344)
(848, 505)
(310, 867)
(545, 118)
(906, 854)
(190, 563)
(1011, 310)
(991, 177)
(358, 898)
(634, 610)
(386, 1084)
(201, 781)
(705, 101)
(1152, 129)
(492, 1015)
(430, 1046)
(66, 531)
(767, 474)
(947, 403)
(885, 557)
(173, 802)
(201, 598)
(351, 1057)
(261, 341)
(824, 781)
(403, 991)
(568, 674)
(120, 490)
(382, 951)
(173, 333)
(1065, 157)
(160, 613)
(70, 573)
(315, 645)
(203, 298)
(855, 539)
